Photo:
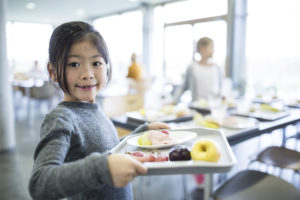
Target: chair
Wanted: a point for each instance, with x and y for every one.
(44, 93)
(256, 185)
(281, 157)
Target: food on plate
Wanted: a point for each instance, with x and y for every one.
(143, 112)
(155, 137)
(144, 140)
(179, 152)
(151, 157)
(205, 150)
(229, 102)
(268, 107)
(211, 122)
(202, 103)
(207, 121)
(238, 122)
(168, 109)
(182, 112)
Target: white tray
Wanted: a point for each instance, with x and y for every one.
(226, 162)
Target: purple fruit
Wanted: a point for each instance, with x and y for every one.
(179, 152)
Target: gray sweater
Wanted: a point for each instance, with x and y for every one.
(71, 157)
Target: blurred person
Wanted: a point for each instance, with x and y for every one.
(204, 77)
(72, 159)
(135, 70)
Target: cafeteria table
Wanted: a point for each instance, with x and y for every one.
(234, 136)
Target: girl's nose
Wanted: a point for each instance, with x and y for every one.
(87, 74)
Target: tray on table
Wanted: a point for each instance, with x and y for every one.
(136, 118)
(264, 116)
(226, 162)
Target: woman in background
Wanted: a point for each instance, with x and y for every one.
(203, 77)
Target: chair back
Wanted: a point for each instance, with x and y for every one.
(252, 185)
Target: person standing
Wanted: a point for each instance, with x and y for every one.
(203, 77)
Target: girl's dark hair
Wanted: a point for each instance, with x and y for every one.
(62, 39)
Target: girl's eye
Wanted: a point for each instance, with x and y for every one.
(73, 64)
(97, 64)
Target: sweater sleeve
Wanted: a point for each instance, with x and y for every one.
(52, 178)
(185, 85)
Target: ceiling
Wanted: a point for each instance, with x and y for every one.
(58, 11)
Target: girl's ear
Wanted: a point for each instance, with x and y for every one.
(51, 72)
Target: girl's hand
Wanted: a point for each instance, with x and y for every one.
(131, 168)
(158, 125)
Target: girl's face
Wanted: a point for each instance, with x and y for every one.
(86, 72)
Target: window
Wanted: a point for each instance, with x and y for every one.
(27, 42)
(272, 46)
(123, 35)
(181, 31)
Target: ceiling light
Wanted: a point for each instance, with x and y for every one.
(80, 12)
(30, 5)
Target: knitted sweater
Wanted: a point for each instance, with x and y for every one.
(71, 157)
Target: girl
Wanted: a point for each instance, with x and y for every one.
(72, 158)
(204, 77)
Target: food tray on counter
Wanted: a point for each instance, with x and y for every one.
(136, 118)
(264, 116)
(226, 162)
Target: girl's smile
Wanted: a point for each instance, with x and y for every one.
(86, 72)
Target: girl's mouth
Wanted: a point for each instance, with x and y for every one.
(86, 87)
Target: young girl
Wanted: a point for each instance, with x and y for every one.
(203, 78)
(72, 158)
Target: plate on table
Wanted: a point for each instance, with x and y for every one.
(238, 122)
(200, 105)
(179, 137)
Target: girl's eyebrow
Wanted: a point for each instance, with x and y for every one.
(78, 56)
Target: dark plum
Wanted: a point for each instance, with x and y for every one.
(179, 152)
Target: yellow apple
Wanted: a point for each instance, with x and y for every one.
(143, 139)
(205, 150)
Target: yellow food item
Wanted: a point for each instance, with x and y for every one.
(212, 124)
(268, 107)
(168, 109)
(143, 139)
(143, 112)
(207, 121)
(199, 120)
(182, 113)
(205, 150)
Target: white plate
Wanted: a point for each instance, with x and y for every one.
(235, 122)
(179, 136)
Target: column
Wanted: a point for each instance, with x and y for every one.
(7, 132)
(148, 35)
(236, 43)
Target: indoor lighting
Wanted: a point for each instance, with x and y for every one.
(30, 5)
(80, 12)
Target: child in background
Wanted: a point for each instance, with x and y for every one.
(203, 78)
(72, 158)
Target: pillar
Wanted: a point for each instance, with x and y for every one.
(7, 132)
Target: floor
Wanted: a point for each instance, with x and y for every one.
(16, 165)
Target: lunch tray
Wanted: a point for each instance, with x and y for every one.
(226, 162)
(264, 116)
(137, 119)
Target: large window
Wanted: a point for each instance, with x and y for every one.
(272, 47)
(181, 31)
(26, 43)
(123, 35)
